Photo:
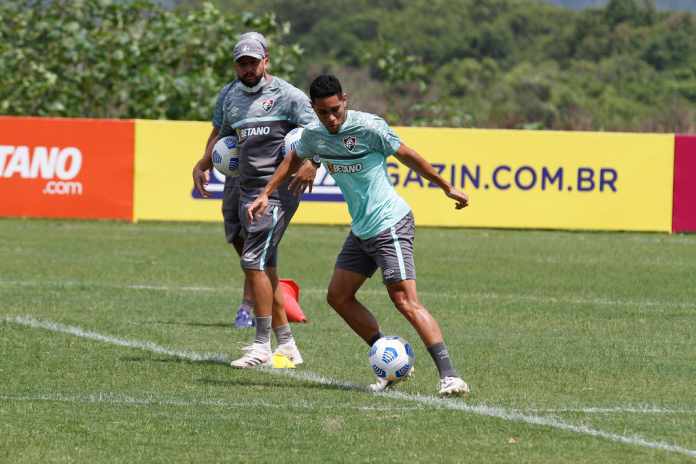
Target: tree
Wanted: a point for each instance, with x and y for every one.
(122, 59)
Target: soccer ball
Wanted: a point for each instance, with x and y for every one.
(391, 358)
(226, 157)
(291, 139)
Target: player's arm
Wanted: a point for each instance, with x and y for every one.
(413, 160)
(304, 178)
(201, 168)
(288, 167)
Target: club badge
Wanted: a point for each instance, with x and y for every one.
(267, 104)
(350, 142)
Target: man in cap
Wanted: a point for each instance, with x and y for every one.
(230, 199)
(260, 109)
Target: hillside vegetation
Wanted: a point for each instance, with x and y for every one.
(462, 63)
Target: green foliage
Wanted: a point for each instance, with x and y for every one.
(625, 65)
(131, 59)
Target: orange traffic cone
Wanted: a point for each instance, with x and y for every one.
(291, 295)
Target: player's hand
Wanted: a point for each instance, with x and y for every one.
(461, 198)
(200, 180)
(257, 207)
(304, 179)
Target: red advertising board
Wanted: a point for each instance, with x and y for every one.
(684, 212)
(66, 168)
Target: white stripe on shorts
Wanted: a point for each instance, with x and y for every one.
(262, 264)
(399, 256)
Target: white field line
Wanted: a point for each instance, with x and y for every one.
(150, 400)
(471, 296)
(156, 400)
(450, 404)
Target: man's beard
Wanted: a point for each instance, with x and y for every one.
(253, 82)
(260, 82)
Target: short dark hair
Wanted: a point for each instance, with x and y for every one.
(325, 85)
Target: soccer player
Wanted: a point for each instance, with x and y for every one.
(260, 109)
(354, 147)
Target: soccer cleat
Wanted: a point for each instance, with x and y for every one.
(453, 386)
(258, 356)
(290, 350)
(244, 319)
(383, 384)
(380, 385)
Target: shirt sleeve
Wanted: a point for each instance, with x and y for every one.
(219, 106)
(384, 138)
(301, 112)
(303, 146)
(225, 128)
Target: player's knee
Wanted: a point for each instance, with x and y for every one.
(337, 299)
(409, 307)
(333, 298)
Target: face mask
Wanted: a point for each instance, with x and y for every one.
(255, 88)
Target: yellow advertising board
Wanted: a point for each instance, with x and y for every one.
(165, 152)
(515, 179)
(531, 179)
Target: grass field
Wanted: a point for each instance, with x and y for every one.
(580, 347)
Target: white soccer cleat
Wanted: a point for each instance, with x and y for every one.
(383, 384)
(380, 385)
(257, 355)
(290, 351)
(453, 386)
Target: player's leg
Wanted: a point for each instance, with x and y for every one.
(286, 209)
(353, 267)
(257, 243)
(244, 317)
(341, 296)
(393, 251)
(233, 235)
(259, 261)
(259, 352)
(280, 325)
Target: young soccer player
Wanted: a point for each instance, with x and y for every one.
(354, 147)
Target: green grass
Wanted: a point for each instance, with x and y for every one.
(547, 324)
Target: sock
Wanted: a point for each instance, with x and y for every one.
(247, 305)
(442, 360)
(375, 338)
(283, 334)
(263, 330)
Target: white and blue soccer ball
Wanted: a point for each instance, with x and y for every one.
(391, 358)
(226, 156)
(291, 139)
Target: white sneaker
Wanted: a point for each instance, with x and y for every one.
(453, 386)
(290, 350)
(257, 356)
